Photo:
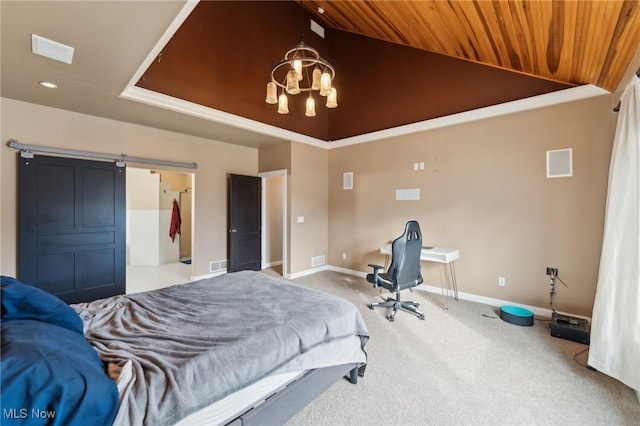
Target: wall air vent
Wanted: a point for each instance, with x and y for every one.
(347, 180)
(51, 49)
(560, 163)
(218, 266)
(317, 28)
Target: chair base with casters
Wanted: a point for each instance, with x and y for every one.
(383, 279)
(405, 305)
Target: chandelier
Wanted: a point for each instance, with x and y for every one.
(302, 70)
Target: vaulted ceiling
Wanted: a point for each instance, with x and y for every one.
(433, 58)
(574, 42)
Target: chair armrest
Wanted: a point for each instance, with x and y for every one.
(376, 268)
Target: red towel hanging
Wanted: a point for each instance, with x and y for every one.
(174, 227)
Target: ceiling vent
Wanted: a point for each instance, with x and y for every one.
(317, 28)
(51, 49)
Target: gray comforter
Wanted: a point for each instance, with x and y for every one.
(192, 344)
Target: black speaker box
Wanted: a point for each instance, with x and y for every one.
(570, 328)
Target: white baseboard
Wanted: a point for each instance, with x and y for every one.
(211, 275)
(307, 272)
(347, 271)
(276, 263)
(484, 300)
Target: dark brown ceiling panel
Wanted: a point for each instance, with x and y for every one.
(221, 57)
(382, 85)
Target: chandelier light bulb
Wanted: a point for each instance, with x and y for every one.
(332, 98)
(293, 88)
(310, 110)
(315, 85)
(325, 84)
(297, 67)
(283, 104)
(272, 92)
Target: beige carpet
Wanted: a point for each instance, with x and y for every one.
(464, 366)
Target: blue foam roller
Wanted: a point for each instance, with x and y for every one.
(516, 315)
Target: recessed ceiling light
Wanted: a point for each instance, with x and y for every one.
(48, 84)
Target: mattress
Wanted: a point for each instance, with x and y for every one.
(194, 345)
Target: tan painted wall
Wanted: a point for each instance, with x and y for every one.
(273, 220)
(176, 181)
(308, 198)
(278, 157)
(307, 195)
(484, 191)
(38, 125)
(179, 183)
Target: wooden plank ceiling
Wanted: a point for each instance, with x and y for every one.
(574, 42)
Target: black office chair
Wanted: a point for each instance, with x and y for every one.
(403, 273)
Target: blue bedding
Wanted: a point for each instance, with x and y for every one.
(21, 301)
(50, 374)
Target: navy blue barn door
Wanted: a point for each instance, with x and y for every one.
(72, 227)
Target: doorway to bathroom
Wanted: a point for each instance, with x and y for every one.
(159, 228)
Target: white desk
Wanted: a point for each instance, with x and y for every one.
(438, 255)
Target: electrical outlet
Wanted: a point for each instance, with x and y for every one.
(502, 281)
(552, 271)
(344, 256)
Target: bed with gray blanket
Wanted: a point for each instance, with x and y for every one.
(188, 346)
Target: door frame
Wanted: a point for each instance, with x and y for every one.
(285, 224)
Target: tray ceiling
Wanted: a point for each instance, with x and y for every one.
(563, 43)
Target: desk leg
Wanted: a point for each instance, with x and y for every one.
(454, 283)
(444, 285)
(449, 283)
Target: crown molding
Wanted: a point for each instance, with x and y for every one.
(190, 108)
(196, 110)
(533, 102)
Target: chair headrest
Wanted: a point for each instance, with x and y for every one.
(412, 230)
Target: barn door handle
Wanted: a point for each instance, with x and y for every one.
(233, 230)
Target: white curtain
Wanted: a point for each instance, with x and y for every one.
(615, 328)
